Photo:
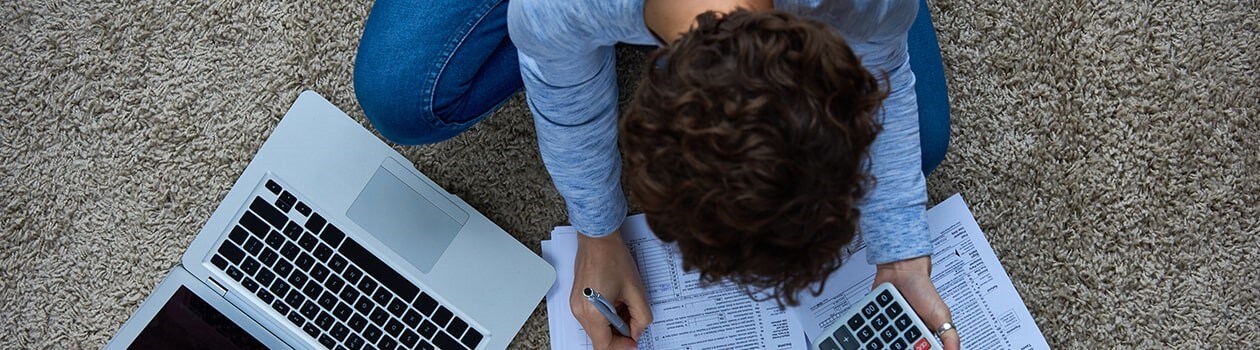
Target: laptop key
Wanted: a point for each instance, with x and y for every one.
(294, 298)
(319, 272)
(412, 319)
(292, 230)
(287, 198)
(334, 283)
(387, 343)
(282, 268)
(219, 262)
(234, 273)
(393, 327)
(310, 310)
(325, 340)
(371, 333)
(253, 246)
(357, 323)
(382, 296)
(268, 212)
(312, 290)
(280, 288)
(238, 235)
(367, 285)
(442, 316)
(426, 304)
(250, 266)
(328, 300)
(290, 250)
(323, 252)
(308, 241)
(250, 285)
(337, 263)
(268, 257)
(364, 305)
(303, 208)
(296, 318)
(445, 342)
(397, 307)
(253, 224)
(339, 332)
(231, 253)
(298, 279)
(376, 268)
(311, 330)
(378, 316)
(343, 311)
(324, 320)
(409, 338)
(354, 342)
(427, 329)
(280, 307)
(304, 261)
(349, 294)
(274, 239)
(273, 187)
(264, 277)
(332, 235)
(472, 338)
(315, 222)
(265, 296)
(352, 274)
(457, 327)
(424, 345)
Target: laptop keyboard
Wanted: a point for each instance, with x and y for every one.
(329, 285)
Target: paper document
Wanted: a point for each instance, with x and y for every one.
(685, 314)
(986, 308)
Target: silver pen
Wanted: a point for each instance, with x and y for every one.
(607, 309)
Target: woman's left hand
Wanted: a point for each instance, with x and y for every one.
(913, 278)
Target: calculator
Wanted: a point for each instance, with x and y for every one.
(882, 320)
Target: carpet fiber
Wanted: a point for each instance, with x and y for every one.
(1109, 149)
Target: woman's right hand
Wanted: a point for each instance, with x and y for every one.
(605, 265)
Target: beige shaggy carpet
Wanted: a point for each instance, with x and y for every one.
(1110, 149)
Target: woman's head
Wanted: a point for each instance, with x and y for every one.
(746, 145)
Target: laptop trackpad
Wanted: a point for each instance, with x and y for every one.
(404, 220)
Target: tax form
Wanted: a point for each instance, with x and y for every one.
(986, 308)
(686, 314)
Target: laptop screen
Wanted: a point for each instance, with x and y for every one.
(188, 322)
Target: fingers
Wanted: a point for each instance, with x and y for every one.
(594, 323)
(640, 311)
(950, 340)
(935, 316)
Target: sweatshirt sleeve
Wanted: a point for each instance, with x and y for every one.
(571, 88)
(893, 214)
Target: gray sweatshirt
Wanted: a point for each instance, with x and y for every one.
(568, 65)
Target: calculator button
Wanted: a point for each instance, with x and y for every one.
(888, 334)
(856, 321)
(884, 298)
(875, 344)
(865, 334)
(922, 344)
(902, 322)
(870, 310)
(897, 344)
(879, 322)
(913, 334)
(828, 344)
(846, 339)
(894, 310)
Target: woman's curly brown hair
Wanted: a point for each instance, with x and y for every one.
(746, 144)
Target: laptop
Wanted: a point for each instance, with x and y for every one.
(331, 239)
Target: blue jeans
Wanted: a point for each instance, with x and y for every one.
(428, 70)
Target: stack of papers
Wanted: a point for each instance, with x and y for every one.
(987, 310)
(685, 314)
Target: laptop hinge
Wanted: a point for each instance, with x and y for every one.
(214, 284)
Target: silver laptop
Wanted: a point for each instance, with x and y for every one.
(330, 239)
